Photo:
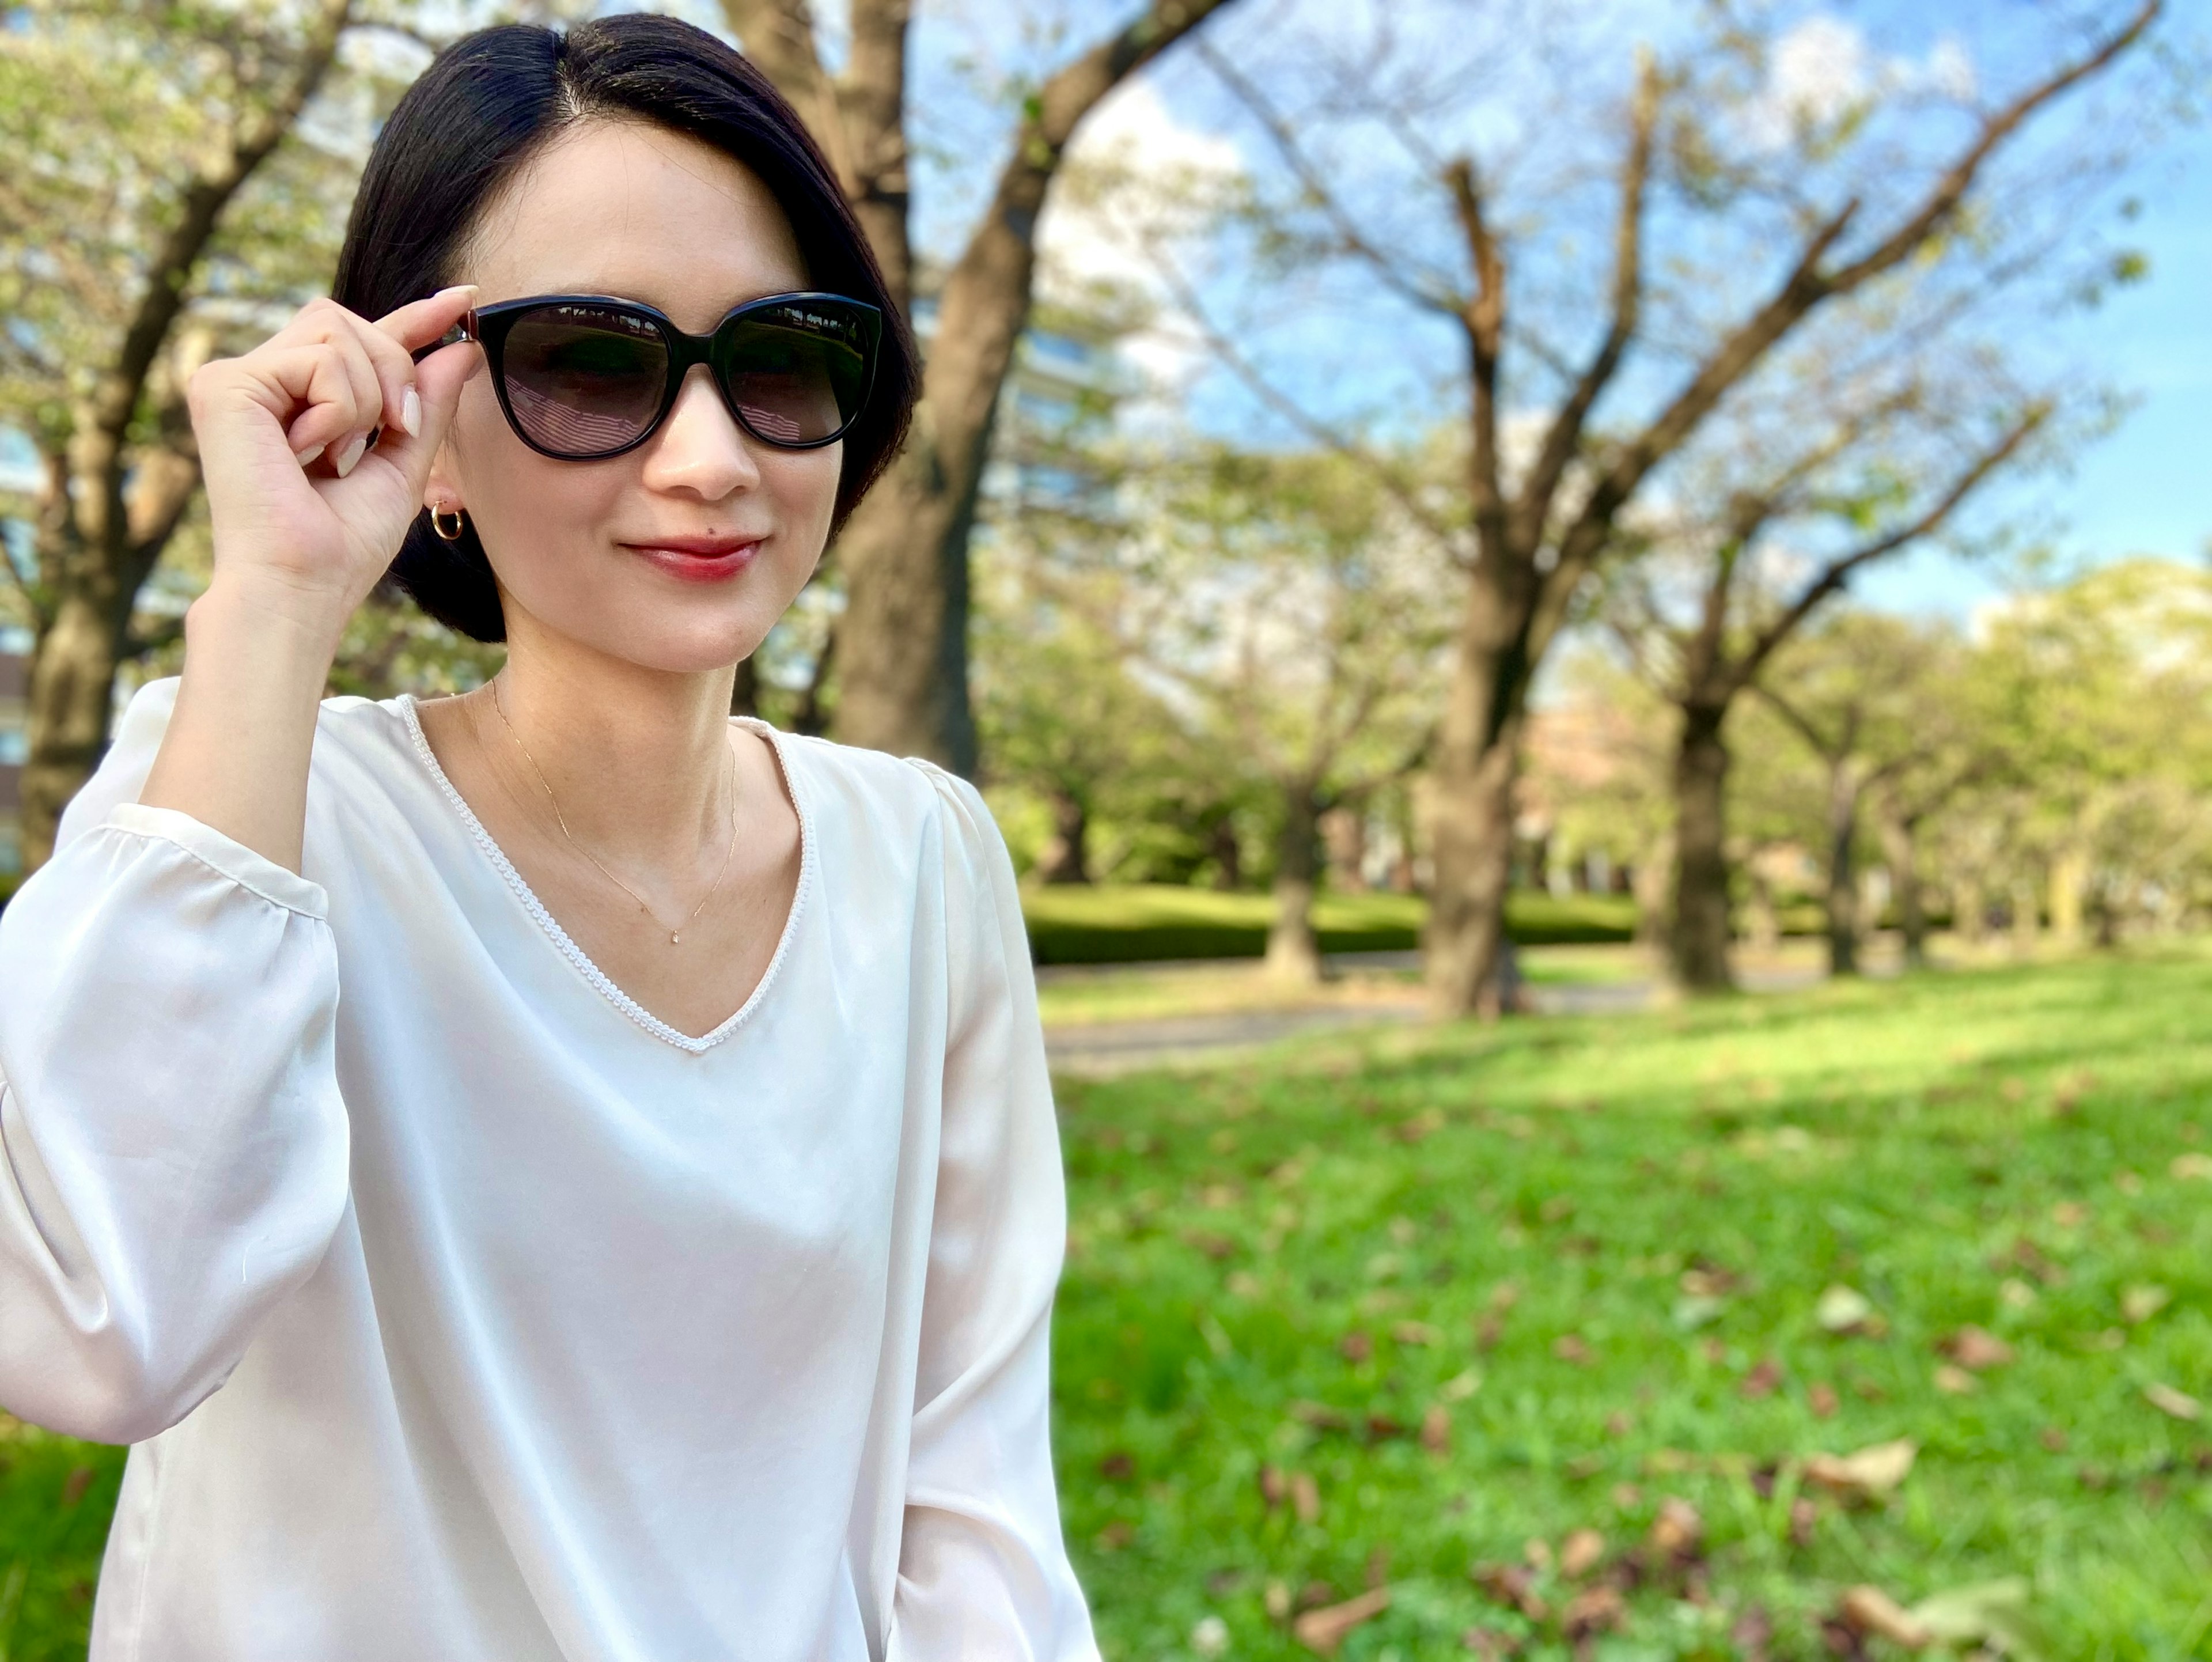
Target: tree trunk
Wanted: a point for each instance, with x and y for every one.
(1898, 848)
(1473, 838)
(1293, 951)
(1842, 879)
(71, 692)
(1344, 833)
(2069, 881)
(1477, 764)
(1762, 927)
(1970, 910)
(2027, 922)
(1699, 936)
(1650, 881)
(1066, 858)
(1228, 855)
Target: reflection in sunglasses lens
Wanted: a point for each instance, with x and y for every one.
(583, 380)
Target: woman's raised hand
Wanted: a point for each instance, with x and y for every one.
(306, 517)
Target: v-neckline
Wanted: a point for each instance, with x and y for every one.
(576, 954)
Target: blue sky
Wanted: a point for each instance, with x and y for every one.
(2147, 487)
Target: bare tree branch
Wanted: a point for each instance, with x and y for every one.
(1427, 290)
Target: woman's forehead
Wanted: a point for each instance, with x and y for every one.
(624, 209)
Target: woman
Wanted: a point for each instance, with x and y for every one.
(552, 1172)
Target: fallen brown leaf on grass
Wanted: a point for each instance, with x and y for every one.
(1592, 1611)
(2192, 1165)
(1118, 1467)
(1274, 1487)
(1976, 1348)
(1580, 1552)
(1214, 1246)
(1116, 1535)
(1955, 1381)
(1323, 1631)
(2166, 1400)
(1320, 1416)
(1512, 1586)
(1677, 1528)
(2052, 1438)
(1490, 1644)
(1305, 1497)
(1435, 1429)
(1763, 1379)
(1869, 1474)
(1574, 1349)
(1871, 1611)
(1415, 1333)
(1356, 1346)
(2070, 1214)
(1538, 1551)
(1822, 1400)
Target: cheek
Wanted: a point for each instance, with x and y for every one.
(804, 486)
(520, 499)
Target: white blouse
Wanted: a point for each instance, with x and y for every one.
(459, 1309)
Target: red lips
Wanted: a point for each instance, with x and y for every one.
(698, 559)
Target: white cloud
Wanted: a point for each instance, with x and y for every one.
(1823, 66)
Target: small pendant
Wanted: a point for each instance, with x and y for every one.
(673, 937)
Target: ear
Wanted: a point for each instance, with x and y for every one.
(441, 486)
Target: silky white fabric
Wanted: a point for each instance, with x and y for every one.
(457, 1309)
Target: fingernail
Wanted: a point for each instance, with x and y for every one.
(410, 412)
(457, 289)
(352, 453)
(307, 456)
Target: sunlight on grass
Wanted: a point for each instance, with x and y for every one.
(1449, 1297)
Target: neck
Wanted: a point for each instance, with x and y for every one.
(638, 759)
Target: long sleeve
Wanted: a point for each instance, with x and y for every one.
(982, 1568)
(172, 1144)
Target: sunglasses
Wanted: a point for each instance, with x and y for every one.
(582, 377)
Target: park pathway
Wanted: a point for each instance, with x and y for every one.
(1098, 1049)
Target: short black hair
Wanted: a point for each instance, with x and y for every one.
(492, 100)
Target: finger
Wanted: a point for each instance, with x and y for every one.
(439, 379)
(367, 400)
(398, 407)
(419, 322)
(314, 374)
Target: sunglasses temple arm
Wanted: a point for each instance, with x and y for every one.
(464, 330)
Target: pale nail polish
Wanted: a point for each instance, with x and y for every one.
(307, 456)
(355, 447)
(410, 412)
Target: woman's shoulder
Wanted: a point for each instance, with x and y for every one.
(877, 791)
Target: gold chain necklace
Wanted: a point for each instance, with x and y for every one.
(676, 933)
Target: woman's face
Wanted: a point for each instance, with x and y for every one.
(637, 212)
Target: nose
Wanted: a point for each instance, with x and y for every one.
(700, 450)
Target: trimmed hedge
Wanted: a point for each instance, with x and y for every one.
(1124, 923)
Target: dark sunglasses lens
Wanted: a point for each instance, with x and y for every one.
(583, 380)
(798, 373)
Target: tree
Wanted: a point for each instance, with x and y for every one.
(176, 180)
(1486, 223)
(903, 656)
(1885, 460)
(1859, 693)
(1288, 614)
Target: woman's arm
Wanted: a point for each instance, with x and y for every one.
(173, 1144)
(982, 1568)
(298, 544)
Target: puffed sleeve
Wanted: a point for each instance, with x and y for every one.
(982, 1568)
(173, 1145)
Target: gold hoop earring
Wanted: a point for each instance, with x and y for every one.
(438, 517)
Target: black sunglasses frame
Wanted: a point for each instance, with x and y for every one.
(490, 326)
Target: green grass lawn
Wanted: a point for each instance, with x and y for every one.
(1118, 924)
(1588, 1257)
(1591, 1256)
